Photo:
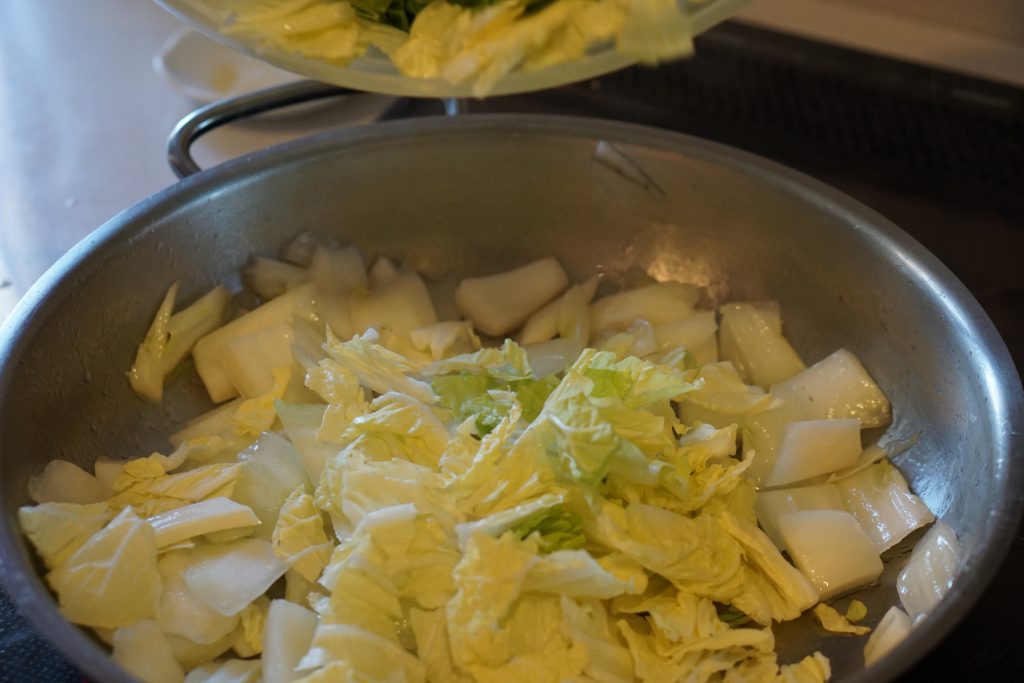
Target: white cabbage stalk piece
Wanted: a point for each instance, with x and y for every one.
(65, 482)
(755, 345)
(773, 504)
(301, 423)
(271, 470)
(249, 360)
(106, 471)
(211, 423)
(171, 336)
(930, 571)
(660, 303)
(810, 448)
(211, 351)
(229, 671)
(401, 304)
(837, 387)
(831, 549)
(144, 651)
(550, 320)
(695, 333)
(205, 517)
(336, 274)
(498, 304)
(229, 576)
(890, 632)
(181, 612)
(383, 271)
(287, 636)
(879, 497)
(271, 278)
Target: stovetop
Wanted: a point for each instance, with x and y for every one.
(940, 155)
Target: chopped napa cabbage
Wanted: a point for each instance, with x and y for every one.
(831, 549)
(814, 668)
(299, 537)
(502, 472)
(228, 671)
(430, 629)
(257, 415)
(196, 519)
(879, 497)
(598, 418)
(890, 632)
(339, 387)
(837, 387)
(556, 528)
(495, 632)
(489, 578)
(398, 426)
(369, 656)
(171, 337)
(191, 654)
(659, 303)
(65, 482)
(787, 592)
(57, 530)
(270, 278)
(722, 397)
(507, 362)
(856, 611)
(756, 347)
(523, 517)
(406, 555)
(270, 469)
(377, 368)
(144, 651)
(498, 304)
(834, 622)
(216, 422)
(301, 423)
(576, 574)
(445, 338)
(337, 671)
(930, 571)
(111, 580)
(401, 304)
(106, 471)
(480, 515)
(287, 635)
(252, 622)
(181, 612)
(353, 487)
(145, 486)
(211, 351)
(485, 398)
(607, 659)
(229, 576)
(811, 448)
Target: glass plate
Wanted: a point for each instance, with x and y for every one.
(373, 73)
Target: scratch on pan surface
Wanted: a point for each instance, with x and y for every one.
(611, 157)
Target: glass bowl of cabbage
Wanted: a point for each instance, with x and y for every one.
(464, 48)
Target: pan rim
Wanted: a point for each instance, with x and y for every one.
(28, 593)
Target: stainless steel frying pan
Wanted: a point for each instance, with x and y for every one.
(481, 193)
